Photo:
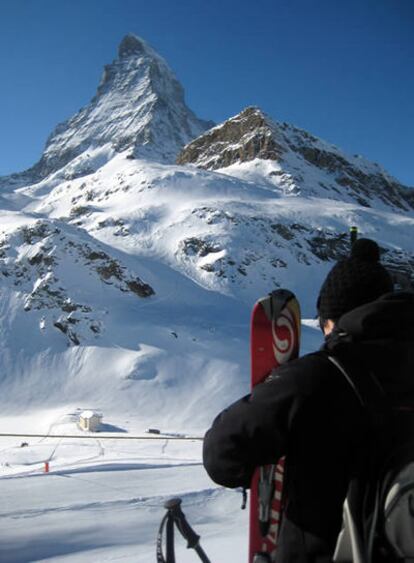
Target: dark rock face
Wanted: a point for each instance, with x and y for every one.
(321, 159)
(240, 139)
(363, 185)
(130, 45)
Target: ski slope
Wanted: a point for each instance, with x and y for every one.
(104, 503)
(102, 499)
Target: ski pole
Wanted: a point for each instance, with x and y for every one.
(176, 516)
(266, 491)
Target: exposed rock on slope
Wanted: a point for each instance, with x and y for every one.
(240, 139)
(302, 163)
(40, 260)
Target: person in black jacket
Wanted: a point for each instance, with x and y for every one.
(308, 411)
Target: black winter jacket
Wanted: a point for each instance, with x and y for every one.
(309, 412)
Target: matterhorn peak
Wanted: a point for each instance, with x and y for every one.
(139, 107)
(131, 45)
(134, 46)
(139, 66)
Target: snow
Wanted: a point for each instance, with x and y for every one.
(103, 501)
(90, 414)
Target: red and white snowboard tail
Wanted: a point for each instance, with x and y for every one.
(275, 339)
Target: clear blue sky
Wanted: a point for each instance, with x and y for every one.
(342, 69)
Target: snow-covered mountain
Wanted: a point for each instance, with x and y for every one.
(115, 253)
(139, 107)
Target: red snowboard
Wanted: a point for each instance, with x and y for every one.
(275, 339)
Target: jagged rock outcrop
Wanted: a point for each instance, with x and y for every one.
(299, 155)
(38, 262)
(242, 138)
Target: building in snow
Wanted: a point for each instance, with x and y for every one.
(90, 420)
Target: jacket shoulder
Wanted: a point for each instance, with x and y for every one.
(307, 373)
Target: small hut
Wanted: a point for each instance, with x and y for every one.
(90, 420)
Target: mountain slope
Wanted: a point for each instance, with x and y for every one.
(229, 235)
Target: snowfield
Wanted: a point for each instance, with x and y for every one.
(102, 499)
(105, 502)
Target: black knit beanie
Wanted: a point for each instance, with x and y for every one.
(353, 282)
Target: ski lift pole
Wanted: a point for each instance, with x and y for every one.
(353, 231)
(176, 516)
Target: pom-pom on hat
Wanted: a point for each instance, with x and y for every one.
(353, 282)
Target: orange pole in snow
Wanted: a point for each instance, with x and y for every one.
(46, 467)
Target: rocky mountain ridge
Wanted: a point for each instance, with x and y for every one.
(296, 155)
